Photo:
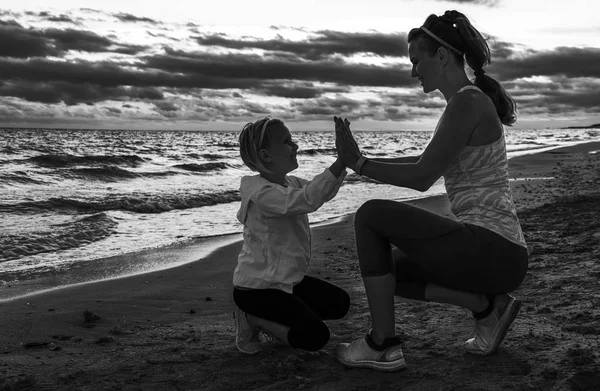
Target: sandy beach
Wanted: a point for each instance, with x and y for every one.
(173, 329)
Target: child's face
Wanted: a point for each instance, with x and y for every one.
(282, 150)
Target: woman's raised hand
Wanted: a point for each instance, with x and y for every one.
(347, 148)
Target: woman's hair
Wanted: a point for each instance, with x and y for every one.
(254, 136)
(459, 35)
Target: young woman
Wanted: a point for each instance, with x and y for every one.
(271, 290)
(473, 261)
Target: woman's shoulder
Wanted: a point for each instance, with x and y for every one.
(473, 102)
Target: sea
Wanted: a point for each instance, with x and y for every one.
(73, 200)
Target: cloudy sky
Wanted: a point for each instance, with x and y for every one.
(202, 65)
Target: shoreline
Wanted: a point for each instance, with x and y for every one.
(172, 329)
(176, 254)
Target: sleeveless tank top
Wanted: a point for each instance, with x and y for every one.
(478, 188)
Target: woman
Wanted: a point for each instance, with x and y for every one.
(473, 261)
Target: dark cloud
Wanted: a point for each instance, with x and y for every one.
(125, 17)
(562, 61)
(74, 93)
(321, 45)
(166, 106)
(56, 18)
(248, 69)
(490, 3)
(20, 42)
(113, 110)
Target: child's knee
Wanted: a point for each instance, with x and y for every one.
(311, 338)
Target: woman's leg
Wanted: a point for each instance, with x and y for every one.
(377, 224)
(446, 261)
(412, 282)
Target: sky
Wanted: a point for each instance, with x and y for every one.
(216, 65)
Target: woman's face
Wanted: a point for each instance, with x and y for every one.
(424, 66)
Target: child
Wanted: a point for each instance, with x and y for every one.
(271, 290)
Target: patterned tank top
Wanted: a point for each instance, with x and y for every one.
(478, 188)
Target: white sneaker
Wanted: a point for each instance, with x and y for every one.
(358, 354)
(491, 330)
(247, 338)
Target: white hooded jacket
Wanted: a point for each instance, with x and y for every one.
(277, 245)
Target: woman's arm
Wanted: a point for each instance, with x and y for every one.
(402, 159)
(459, 120)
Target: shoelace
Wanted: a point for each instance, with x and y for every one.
(268, 337)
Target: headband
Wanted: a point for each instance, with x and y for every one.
(446, 44)
(262, 132)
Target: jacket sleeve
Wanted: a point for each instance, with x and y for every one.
(311, 195)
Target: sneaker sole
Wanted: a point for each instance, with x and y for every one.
(377, 365)
(247, 353)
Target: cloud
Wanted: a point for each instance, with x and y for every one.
(20, 42)
(567, 61)
(57, 18)
(75, 93)
(113, 110)
(173, 73)
(320, 45)
(247, 70)
(488, 3)
(125, 17)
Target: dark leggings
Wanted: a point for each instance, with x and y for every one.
(303, 311)
(434, 249)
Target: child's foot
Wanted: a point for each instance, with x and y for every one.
(360, 354)
(247, 338)
(491, 330)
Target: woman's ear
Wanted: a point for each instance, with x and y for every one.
(263, 154)
(443, 55)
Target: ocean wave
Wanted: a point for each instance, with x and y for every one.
(203, 167)
(529, 147)
(19, 177)
(7, 149)
(316, 151)
(138, 204)
(207, 156)
(354, 178)
(227, 144)
(64, 160)
(57, 237)
(111, 173)
(107, 173)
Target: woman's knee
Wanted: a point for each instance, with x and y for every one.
(366, 212)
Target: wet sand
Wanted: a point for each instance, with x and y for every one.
(172, 329)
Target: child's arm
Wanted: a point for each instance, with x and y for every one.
(337, 167)
(279, 200)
